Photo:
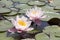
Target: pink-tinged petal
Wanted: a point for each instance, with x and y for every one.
(37, 21)
(29, 29)
(12, 29)
(44, 16)
(19, 31)
(13, 22)
(17, 17)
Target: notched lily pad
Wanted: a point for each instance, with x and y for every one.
(48, 8)
(23, 11)
(21, 1)
(51, 15)
(57, 8)
(56, 2)
(11, 13)
(41, 36)
(7, 3)
(33, 31)
(22, 6)
(5, 25)
(4, 37)
(4, 11)
(2, 4)
(51, 29)
(36, 3)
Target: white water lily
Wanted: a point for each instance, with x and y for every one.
(35, 13)
(22, 23)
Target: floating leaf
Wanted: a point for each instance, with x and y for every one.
(57, 34)
(28, 39)
(5, 25)
(51, 15)
(21, 1)
(33, 31)
(23, 6)
(41, 36)
(22, 11)
(11, 14)
(36, 3)
(2, 4)
(51, 29)
(48, 8)
(4, 37)
(56, 2)
(4, 10)
(57, 8)
(14, 9)
(7, 3)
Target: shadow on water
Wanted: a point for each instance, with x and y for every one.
(42, 25)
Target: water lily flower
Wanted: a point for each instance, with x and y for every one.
(50, 1)
(35, 14)
(22, 24)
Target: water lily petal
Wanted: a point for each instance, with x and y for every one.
(29, 29)
(35, 12)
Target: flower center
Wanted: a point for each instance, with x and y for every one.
(22, 23)
(34, 12)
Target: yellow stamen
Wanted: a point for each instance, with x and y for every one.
(21, 22)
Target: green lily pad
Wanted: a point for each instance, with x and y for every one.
(21, 1)
(23, 6)
(14, 9)
(5, 25)
(51, 15)
(48, 8)
(51, 29)
(36, 3)
(4, 10)
(57, 34)
(4, 37)
(43, 0)
(57, 8)
(7, 3)
(22, 11)
(2, 4)
(33, 31)
(11, 14)
(53, 37)
(41, 36)
(56, 2)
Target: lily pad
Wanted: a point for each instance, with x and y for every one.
(33, 31)
(36, 3)
(51, 29)
(48, 8)
(57, 34)
(4, 37)
(4, 11)
(57, 8)
(41, 36)
(21, 1)
(11, 14)
(23, 6)
(2, 4)
(51, 15)
(7, 3)
(56, 2)
(22, 11)
(5, 25)
(14, 9)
